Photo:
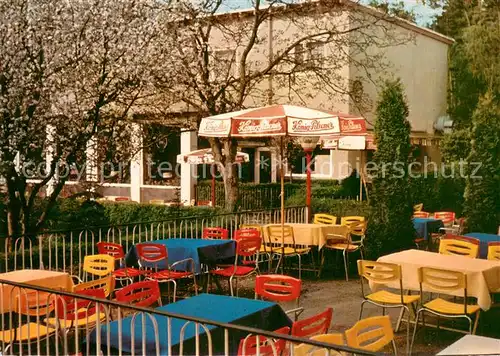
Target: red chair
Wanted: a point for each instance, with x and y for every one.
(215, 233)
(249, 347)
(73, 312)
(421, 214)
(279, 288)
(447, 217)
(140, 294)
(153, 254)
(315, 325)
(247, 246)
(116, 251)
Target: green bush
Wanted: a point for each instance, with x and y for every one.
(74, 214)
(390, 228)
(124, 213)
(340, 207)
(482, 194)
(439, 193)
(69, 214)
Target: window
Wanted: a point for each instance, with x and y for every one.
(222, 65)
(357, 91)
(299, 55)
(315, 53)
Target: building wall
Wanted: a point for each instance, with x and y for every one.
(421, 62)
(418, 56)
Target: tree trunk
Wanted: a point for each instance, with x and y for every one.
(231, 186)
(231, 175)
(14, 223)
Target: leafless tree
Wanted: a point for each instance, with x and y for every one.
(273, 53)
(69, 71)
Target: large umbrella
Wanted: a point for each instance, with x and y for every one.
(280, 121)
(205, 156)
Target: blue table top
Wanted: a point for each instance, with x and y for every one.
(224, 309)
(484, 237)
(423, 220)
(197, 249)
(426, 226)
(190, 243)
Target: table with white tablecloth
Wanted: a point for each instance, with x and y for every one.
(483, 276)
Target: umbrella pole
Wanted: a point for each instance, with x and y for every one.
(282, 181)
(361, 178)
(213, 185)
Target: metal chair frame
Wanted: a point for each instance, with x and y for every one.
(247, 246)
(380, 273)
(461, 283)
(159, 255)
(287, 240)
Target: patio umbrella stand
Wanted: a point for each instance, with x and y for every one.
(280, 121)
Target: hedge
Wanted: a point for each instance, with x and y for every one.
(73, 214)
(439, 193)
(264, 196)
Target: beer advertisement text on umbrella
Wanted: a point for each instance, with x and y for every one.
(280, 120)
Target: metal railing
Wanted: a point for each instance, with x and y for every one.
(65, 250)
(35, 320)
(251, 196)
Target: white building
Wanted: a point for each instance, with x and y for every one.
(421, 63)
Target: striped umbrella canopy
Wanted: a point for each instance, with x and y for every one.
(280, 120)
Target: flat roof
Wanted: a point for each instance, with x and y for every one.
(356, 5)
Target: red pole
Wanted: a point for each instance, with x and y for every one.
(308, 183)
(213, 185)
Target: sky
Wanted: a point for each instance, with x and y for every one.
(424, 14)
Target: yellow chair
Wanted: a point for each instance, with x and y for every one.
(418, 207)
(357, 230)
(346, 220)
(98, 265)
(459, 245)
(494, 250)
(290, 249)
(371, 334)
(341, 235)
(32, 305)
(324, 219)
(446, 282)
(382, 273)
(106, 283)
(310, 350)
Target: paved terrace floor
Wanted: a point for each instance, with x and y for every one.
(345, 299)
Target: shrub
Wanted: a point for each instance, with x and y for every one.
(75, 214)
(482, 205)
(390, 228)
(439, 193)
(340, 207)
(124, 213)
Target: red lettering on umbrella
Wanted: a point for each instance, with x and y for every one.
(311, 126)
(258, 126)
(352, 125)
